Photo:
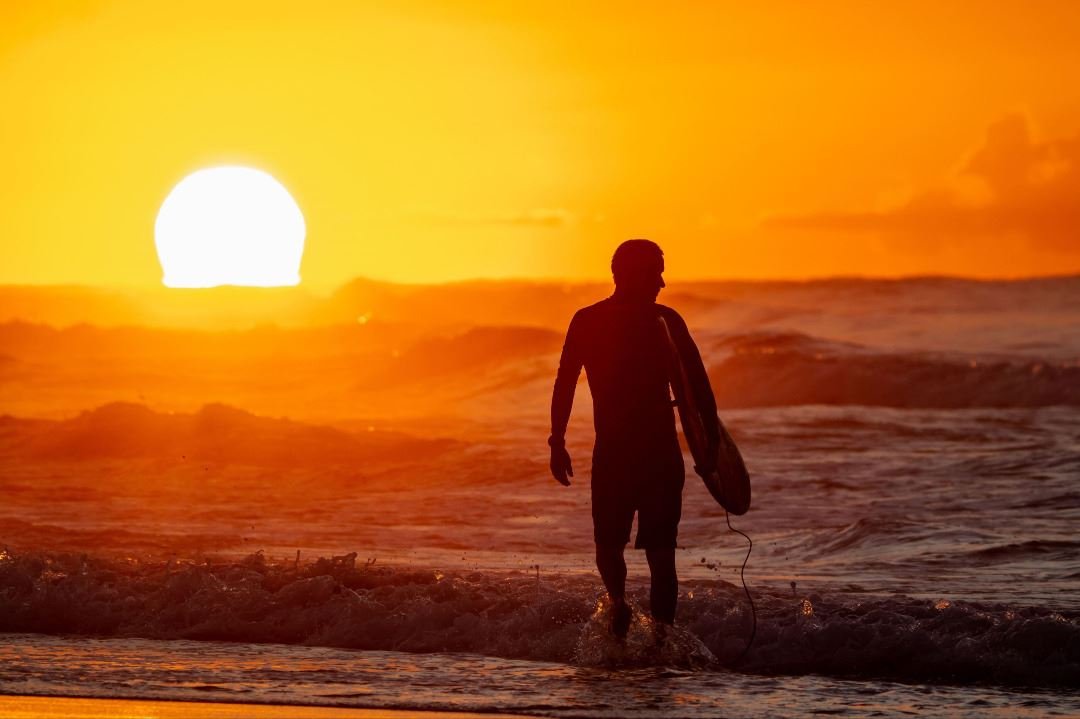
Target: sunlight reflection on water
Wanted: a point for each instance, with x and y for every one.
(214, 671)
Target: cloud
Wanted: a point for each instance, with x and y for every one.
(1013, 184)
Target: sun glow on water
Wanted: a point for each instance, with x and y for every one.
(230, 226)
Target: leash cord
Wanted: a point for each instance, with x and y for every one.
(742, 576)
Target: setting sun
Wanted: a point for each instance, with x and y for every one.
(375, 359)
(230, 226)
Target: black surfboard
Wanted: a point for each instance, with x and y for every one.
(729, 482)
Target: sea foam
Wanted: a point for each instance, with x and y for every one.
(340, 603)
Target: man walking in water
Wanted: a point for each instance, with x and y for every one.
(637, 465)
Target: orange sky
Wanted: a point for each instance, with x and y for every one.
(431, 141)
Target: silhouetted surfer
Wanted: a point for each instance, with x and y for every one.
(637, 464)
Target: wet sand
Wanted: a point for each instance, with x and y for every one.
(27, 707)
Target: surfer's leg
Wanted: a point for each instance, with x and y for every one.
(664, 590)
(658, 531)
(613, 515)
(612, 566)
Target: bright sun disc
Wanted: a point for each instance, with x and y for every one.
(230, 226)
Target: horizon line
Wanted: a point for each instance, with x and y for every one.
(321, 289)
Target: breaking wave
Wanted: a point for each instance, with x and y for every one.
(341, 603)
(765, 369)
(216, 432)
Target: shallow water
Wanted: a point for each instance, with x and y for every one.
(274, 673)
(975, 504)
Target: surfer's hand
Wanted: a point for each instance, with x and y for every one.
(560, 465)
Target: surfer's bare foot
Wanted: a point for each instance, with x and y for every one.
(620, 618)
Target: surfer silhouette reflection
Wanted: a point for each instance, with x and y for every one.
(637, 465)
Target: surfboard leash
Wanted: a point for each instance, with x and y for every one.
(742, 576)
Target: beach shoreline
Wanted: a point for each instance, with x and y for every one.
(32, 706)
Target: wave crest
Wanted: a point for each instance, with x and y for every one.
(766, 369)
(335, 602)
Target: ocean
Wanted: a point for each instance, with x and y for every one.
(363, 515)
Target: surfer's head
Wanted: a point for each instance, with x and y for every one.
(638, 269)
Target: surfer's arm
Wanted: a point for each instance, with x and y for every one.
(562, 396)
(699, 381)
(562, 401)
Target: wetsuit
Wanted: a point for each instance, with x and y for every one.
(637, 465)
